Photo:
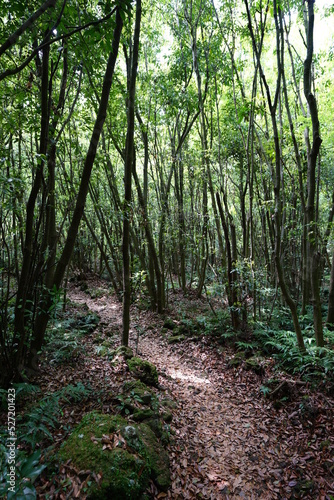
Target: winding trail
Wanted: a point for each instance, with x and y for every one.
(229, 442)
(221, 431)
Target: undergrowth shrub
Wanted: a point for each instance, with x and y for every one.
(64, 337)
(27, 470)
(218, 325)
(34, 426)
(316, 362)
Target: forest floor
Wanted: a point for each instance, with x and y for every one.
(228, 441)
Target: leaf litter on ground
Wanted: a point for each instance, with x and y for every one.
(228, 441)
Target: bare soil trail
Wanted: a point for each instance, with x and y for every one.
(229, 441)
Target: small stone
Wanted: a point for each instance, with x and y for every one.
(141, 415)
(168, 417)
(175, 339)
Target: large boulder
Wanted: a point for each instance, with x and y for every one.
(124, 455)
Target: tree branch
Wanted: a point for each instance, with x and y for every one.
(15, 36)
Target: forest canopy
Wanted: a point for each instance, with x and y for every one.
(162, 145)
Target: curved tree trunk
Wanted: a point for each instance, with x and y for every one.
(312, 257)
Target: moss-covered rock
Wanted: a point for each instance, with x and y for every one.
(155, 425)
(138, 400)
(169, 324)
(174, 339)
(145, 371)
(126, 456)
(256, 364)
(123, 351)
(158, 457)
(237, 359)
(94, 445)
(139, 391)
(181, 329)
(141, 415)
(168, 417)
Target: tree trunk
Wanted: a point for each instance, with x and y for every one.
(230, 250)
(330, 313)
(128, 165)
(24, 288)
(272, 104)
(43, 317)
(312, 257)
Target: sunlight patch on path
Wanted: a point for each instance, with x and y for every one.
(190, 377)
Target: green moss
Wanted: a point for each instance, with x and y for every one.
(124, 351)
(175, 339)
(155, 425)
(132, 456)
(145, 371)
(141, 415)
(237, 359)
(256, 364)
(101, 350)
(124, 476)
(168, 417)
(169, 324)
(139, 390)
(98, 339)
(168, 403)
(158, 458)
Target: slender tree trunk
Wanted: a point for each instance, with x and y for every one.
(330, 313)
(23, 285)
(272, 104)
(313, 258)
(151, 247)
(128, 166)
(230, 250)
(43, 317)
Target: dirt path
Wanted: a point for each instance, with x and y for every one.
(229, 442)
(221, 431)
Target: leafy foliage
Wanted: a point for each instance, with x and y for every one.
(34, 426)
(37, 423)
(27, 470)
(314, 364)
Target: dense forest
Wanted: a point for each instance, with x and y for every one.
(174, 158)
